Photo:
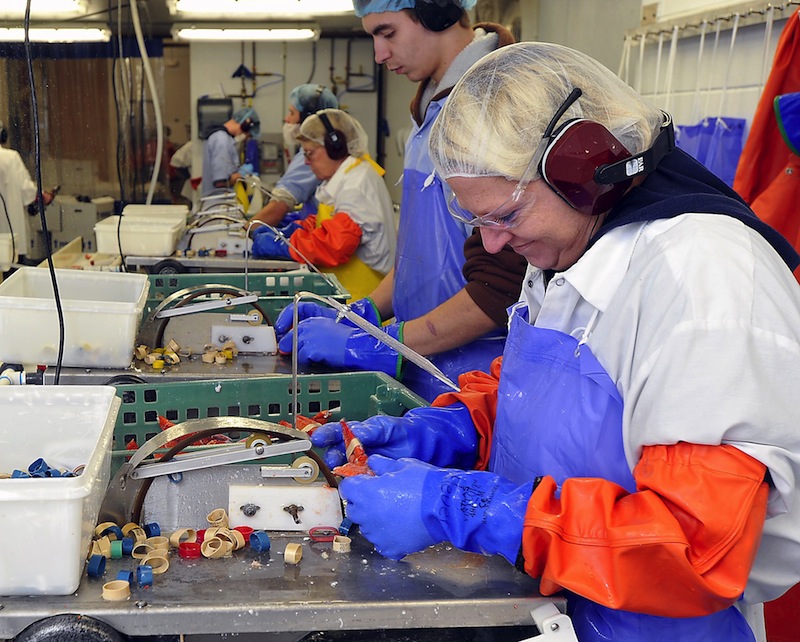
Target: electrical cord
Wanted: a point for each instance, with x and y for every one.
(40, 198)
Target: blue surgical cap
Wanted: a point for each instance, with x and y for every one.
(243, 114)
(363, 7)
(310, 98)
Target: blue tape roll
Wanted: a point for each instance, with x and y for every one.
(96, 566)
(126, 576)
(127, 545)
(259, 541)
(144, 575)
(346, 527)
(152, 529)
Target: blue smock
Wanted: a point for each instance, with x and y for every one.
(220, 160)
(428, 263)
(560, 414)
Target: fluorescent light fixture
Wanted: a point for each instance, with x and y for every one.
(216, 33)
(43, 8)
(276, 9)
(56, 34)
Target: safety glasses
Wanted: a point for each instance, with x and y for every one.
(506, 215)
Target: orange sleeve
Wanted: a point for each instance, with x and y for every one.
(330, 244)
(681, 546)
(479, 394)
(309, 222)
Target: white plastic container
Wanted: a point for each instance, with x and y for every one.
(139, 235)
(7, 255)
(48, 523)
(102, 312)
(163, 212)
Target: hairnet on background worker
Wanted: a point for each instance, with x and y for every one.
(364, 7)
(353, 233)
(446, 296)
(637, 444)
(297, 185)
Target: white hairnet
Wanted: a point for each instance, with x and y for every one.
(313, 129)
(363, 7)
(494, 118)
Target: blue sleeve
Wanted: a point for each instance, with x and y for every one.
(298, 179)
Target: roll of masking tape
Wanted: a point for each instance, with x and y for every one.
(341, 544)
(218, 517)
(183, 535)
(116, 590)
(158, 562)
(293, 553)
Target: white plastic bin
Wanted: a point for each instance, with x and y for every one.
(139, 235)
(48, 523)
(102, 312)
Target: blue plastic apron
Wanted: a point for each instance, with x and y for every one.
(560, 414)
(428, 262)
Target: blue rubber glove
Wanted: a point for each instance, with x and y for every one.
(409, 505)
(365, 308)
(442, 437)
(290, 228)
(246, 169)
(269, 245)
(340, 345)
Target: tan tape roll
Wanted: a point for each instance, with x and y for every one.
(157, 561)
(141, 550)
(116, 591)
(101, 529)
(293, 553)
(183, 535)
(104, 545)
(218, 517)
(158, 542)
(215, 548)
(341, 544)
(129, 528)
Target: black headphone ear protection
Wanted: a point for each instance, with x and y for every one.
(313, 104)
(3, 133)
(335, 141)
(246, 124)
(438, 15)
(588, 167)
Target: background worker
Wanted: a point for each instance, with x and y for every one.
(18, 191)
(353, 234)
(221, 165)
(636, 446)
(448, 296)
(297, 185)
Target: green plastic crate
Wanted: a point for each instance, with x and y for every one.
(352, 396)
(275, 290)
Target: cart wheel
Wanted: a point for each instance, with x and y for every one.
(168, 266)
(69, 627)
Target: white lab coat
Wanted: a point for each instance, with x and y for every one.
(18, 192)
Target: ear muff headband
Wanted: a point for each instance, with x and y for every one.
(335, 141)
(587, 166)
(438, 15)
(3, 134)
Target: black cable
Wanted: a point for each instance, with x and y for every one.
(40, 198)
(10, 228)
(313, 61)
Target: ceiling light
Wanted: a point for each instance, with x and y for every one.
(277, 9)
(43, 8)
(216, 33)
(56, 34)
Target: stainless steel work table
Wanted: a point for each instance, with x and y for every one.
(326, 591)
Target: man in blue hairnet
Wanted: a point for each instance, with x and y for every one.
(221, 166)
(297, 185)
(448, 296)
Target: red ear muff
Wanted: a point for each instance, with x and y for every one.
(335, 141)
(569, 164)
